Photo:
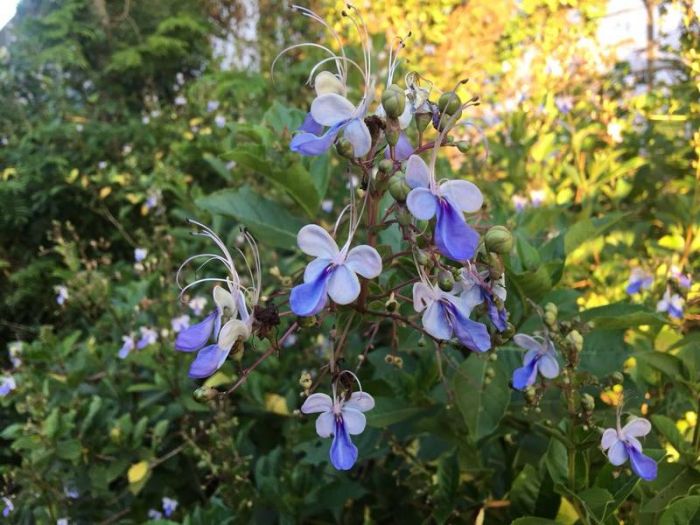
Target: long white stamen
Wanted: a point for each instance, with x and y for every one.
(310, 14)
(339, 65)
(348, 60)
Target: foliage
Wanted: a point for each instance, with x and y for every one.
(110, 141)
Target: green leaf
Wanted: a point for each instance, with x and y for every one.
(524, 491)
(69, 450)
(218, 166)
(270, 223)
(674, 480)
(51, 424)
(622, 315)
(588, 230)
(556, 461)
(528, 254)
(93, 409)
(681, 512)
(668, 429)
(532, 520)
(481, 403)
(667, 364)
(389, 410)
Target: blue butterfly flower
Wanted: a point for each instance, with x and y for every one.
(622, 444)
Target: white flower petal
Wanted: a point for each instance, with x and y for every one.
(325, 424)
(548, 366)
(638, 427)
(435, 322)
(358, 135)
(417, 172)
(527, 342)
(609, 438)
(343, 287)
(223, 299)
(407, 115)
(364, 260)
(317, 403)
(231, 332)
(423, 296)
(361, 401)
(326, 82)
(353, 419)
(331, 108)
(463, 195)
(422, 203)
(617, 454)
(317, 242)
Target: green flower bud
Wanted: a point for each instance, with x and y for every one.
(392, 132)
(463, 146)
(392, 304)
(447, 119)
(422, 258)
(575, 339)
(398, 188)
(393, 101)
(499, 240)
(422, 121)
(490, 373)
(404, 216)
(305, 380)
(588, 402)
(344, 148)
(445, 281)
(449, 103)
(204, 394)
(385, 165)
(617, 378)
(550, 314)
(306, 322)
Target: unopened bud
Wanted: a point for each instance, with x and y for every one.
(344, 148)
(392, 304)
(422, 121)
(530, 394)
(398, 188)
(463, 146)
(306, 322)
(422, 258)
(575, 339)
(392, 132)
(495, 266)
(398, 362)
(393, 101)
(385, 165)
(445, 281)
(389, 359)
(449, 102)
(490, 372)
(204, 394)
(404, 216)
(305, 380)
(617, 378)
(588, 402)
(326, 82)
(550, 314)
(498, 240)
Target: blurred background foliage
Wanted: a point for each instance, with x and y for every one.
(119, 120)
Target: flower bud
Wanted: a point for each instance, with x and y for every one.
(204, 394)
(449, 102)
(306, 322)
(404, 216)
(550, 314)
(385, 165)
(392, 304)
(463, 146)
(499, 240)
(422, 258)
(587, 402)
(398, 362)
(422, 121)
(344, 148)
(490, 372)
(496, 268)
(575, 339)
(326, 82)
(389, 359)
(398, 188)
(392, 132)
(305, 380)
(445, 281)
(393, 101)
(617, 378)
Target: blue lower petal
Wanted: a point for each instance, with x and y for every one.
(309, 298)
(196, 336)
(312, 145)
(310, 126)
(643, 466)
(675, 312)
(471, 334)
(343, 452)
(208, 360)
(634, 287)
(499, 318)
(453, 236)
(525, 376)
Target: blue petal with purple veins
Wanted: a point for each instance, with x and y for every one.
(208, 360)
(310, 126)
(471, 334)
(525, 376)
(196, 336)
(643, 466)
(309, 298)
(453, 237)
(312, 145)
(343, 452)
